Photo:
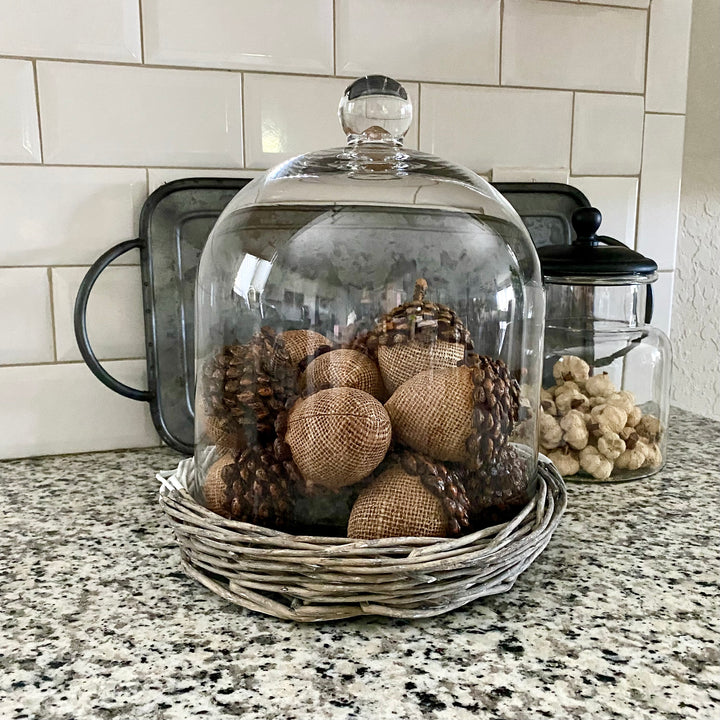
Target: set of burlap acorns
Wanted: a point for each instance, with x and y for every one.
(406, 414)
(588, 426)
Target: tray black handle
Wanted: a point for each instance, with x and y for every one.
(80, 321)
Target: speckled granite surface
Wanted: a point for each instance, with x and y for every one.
(619, 618)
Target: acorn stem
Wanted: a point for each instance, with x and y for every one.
(420, 290)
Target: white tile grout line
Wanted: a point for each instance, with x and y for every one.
(52, 313)
(647, 49)
(203, 171)
(642, 144)
(37, 110)
(417, 113)
(334, 37)
(319, 76)
(572, 134)
(581, 3)
(70, 362)
(142, 31)
(67, 267)
(500, 42)
(243, 123)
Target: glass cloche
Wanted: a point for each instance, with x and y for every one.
(369, 331)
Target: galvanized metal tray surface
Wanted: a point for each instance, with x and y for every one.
(175, 222)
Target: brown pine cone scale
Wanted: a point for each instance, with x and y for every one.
(498, 489)
(443, 482)
(244, 393)
(420, 320)
(258, 488)
(496, 398)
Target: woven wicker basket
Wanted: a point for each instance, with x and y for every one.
(311, 579)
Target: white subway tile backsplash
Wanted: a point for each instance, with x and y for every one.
(420, 39)
(607, 134)
(114, 314)
(660, 188)
(286, 116)
(616, 198)
(160, 176)
(566, 45)
(487, 127)
(278, 35)
(95, 114)
(667, 63)
(662, 301)
(67, 216)
(78, 29)
(25, 318)
(65, 409)
(19, 131)
(561, 92)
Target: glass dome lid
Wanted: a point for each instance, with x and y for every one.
(367, 316)
(375, 113)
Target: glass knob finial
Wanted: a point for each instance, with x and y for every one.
(375, 108)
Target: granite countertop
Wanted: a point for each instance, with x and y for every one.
(619, 618)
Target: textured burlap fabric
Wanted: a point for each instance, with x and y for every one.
(400, 362)
(215, 488)
(396, 504)
(338, 436)
(218, 434)
(433, 412)
(300, 344)
(344, 368)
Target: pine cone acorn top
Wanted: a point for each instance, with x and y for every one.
(496, 399)
(258, 485)
(418, 319)
(244, 393)
(443, 481)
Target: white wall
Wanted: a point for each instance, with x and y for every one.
(101, 102)
(696, 328)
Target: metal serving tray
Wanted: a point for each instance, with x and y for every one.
(175, 222)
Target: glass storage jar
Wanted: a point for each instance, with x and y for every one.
(606, 378)
(369, 325)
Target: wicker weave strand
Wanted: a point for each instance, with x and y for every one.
(312, 579)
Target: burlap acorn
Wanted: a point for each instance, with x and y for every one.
(418, 335)
(255, 486)
(338, 436)
(397, 504)
(295, 346)
(344, 368)
(399, 363)
(226, 434)
(463, 414)
(432, 412)
(215, 487)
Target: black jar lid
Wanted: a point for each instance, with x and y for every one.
(592, 258)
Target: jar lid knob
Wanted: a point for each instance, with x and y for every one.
(586, 222)
(376, 109)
